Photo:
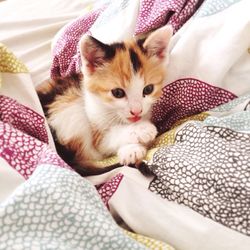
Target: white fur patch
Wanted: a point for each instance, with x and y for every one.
(131, 154)
(77, 127)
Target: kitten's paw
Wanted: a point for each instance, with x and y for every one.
(145, 132)
(131, 153)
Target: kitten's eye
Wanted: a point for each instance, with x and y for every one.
(148, 89)
(118, 93)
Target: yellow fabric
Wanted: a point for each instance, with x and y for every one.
(166, 138)
(198, 117)
(107, 162)
(9, 63)
(149, 242)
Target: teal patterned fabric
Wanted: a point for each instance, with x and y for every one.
(58, 209)
(111, 11)
(232, 104)
(238, 122)
(234, 115)
(211, 7)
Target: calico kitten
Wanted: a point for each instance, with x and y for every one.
(107, 111)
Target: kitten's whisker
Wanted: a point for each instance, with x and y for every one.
(109, 118)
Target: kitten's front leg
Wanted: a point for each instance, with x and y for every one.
(139, 136)
(129, 141)
(131, 153)
(143, 132)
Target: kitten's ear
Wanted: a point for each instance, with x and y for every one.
(94, 53)
(157, 43)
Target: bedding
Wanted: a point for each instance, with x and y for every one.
(198, 194)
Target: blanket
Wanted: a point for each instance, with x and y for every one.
(198, 195)
(197, 159)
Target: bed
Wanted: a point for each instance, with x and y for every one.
(198, 196)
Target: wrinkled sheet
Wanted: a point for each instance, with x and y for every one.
(198, 197)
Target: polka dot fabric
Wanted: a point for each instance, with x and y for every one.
(58, 209)
(239, 121)
(211, 7)
(236, 115)
(168, 137)
(187, 11)
(207, 169)
(66, 56)
(9, 63)
(186, 97)
(23, 152)
(23, 118)
(107, 190)
(233, 104)
(154, 14)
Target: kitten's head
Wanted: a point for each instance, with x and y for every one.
(126, 78)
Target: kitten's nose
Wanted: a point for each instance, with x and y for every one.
(136, 112)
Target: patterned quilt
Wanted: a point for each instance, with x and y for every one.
(198, 195)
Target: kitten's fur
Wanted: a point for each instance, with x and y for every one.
(108, 112)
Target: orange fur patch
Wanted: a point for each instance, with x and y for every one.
(71, 95)
(97, 137)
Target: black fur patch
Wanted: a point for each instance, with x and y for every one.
(59, 86)
(66, 154)
(45, 99)
(69, 157)
(140, 43)
(118, 46)
(110, 50)
(135, 60)
(144, 169)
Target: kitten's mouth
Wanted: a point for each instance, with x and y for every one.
(134, 118)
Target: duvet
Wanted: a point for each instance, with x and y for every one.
(198, 194)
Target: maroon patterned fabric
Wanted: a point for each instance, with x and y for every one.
(66, 57)
(154, 14)
(24, 152)
(22, 118)
(186, 97)
(107, 190)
